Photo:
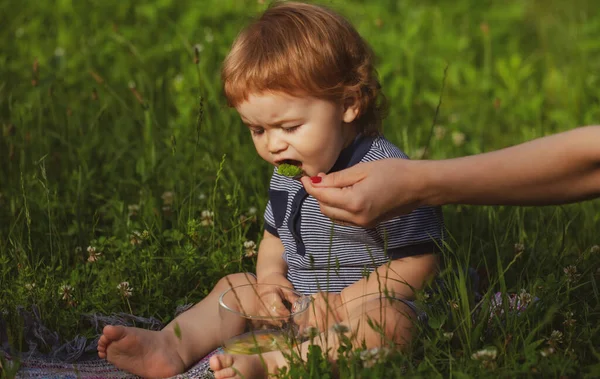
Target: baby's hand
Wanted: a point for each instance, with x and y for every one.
(273, 298)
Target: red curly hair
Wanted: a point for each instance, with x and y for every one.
(303, 49)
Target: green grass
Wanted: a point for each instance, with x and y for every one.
(110, 127)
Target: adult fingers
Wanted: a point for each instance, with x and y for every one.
(346, 215)
(333, 197)
(343, 178)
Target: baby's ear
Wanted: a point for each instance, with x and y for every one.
(351, 108)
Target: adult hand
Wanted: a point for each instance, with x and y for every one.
(369, 193)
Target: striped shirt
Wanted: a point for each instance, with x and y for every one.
(323, 256)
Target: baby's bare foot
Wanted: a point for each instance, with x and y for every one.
(246, 366)
(142, 352)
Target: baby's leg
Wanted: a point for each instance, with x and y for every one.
(189, 337)
(393, 320)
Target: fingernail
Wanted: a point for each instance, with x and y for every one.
(316, 179)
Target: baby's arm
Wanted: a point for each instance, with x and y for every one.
(271, 268)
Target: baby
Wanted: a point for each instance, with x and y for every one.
(302, 80)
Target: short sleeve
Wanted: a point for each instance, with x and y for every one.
(419, 232)
(270, 220)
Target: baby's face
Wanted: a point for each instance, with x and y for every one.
(304, 131)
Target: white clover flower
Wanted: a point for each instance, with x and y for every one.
(458, 138)
(448, 335)
(133, 209)
(29, 286)
(202, 196)
(167, 197)
(207, 218)
(569, 320)
(249, 249)
(547, 351)
(125, 289)
(439, 132)
(519, 248)
(487, 354)
(371, 356)
(135, 238)
(556, 337)
(524, 300)
(66, 292)
(94, 254)
(252, 210)
(571, 273)
(595, 249)
(59, 52)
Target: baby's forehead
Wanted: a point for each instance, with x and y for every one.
(272, 108)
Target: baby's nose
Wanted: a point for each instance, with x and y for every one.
(276, 144)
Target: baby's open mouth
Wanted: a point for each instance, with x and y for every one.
(292, 162)
(290, 167)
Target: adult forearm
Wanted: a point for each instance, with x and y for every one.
(557, 169)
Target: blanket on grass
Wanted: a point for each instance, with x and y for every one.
(76, 358)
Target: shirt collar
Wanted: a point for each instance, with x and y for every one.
(353, 153)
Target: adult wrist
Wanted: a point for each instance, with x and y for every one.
(423, 187)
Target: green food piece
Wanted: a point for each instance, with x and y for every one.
(290, 170)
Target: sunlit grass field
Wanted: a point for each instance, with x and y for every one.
(120, 162)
